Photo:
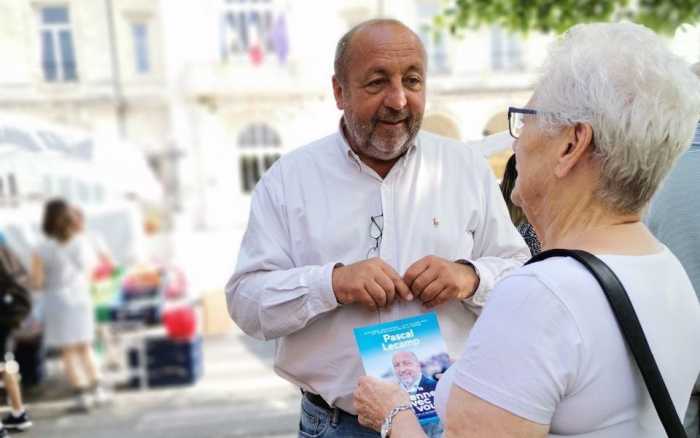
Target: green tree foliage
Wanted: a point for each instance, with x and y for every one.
(664, 16)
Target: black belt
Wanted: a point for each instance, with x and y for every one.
(317, 400)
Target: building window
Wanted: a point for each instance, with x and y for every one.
(252, 28)
(12, 185)
(259, 147)
(64, 187)
(437, 51)
(48, 185)
(433, 39)
(57, 52)
(139, 32)
(98, 193)
(506, 53)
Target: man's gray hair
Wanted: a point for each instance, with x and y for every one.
(415, 356)
(342, 54)
(641, 100)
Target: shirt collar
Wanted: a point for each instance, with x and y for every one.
(345, 146)
(352, 156)
(413, 387)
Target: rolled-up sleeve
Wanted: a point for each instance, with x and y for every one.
(498, 247)
(528, 365)
(268, 296)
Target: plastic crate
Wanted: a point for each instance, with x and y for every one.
(168, 362)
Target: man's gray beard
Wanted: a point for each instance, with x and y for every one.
(368, 148)
(408, 386)
(375, 152)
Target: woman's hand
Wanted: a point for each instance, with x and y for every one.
(374, 399)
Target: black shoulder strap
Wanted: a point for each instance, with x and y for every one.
(631, 330)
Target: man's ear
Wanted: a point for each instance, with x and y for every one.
(578, 143)
(338, 93)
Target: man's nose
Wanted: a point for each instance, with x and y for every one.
(396, 97)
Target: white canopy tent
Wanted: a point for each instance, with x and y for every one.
(123, 167)
(40, 159)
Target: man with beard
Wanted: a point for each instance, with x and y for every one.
(374, 223)
(408, 373)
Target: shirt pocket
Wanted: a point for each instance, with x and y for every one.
(450, 235)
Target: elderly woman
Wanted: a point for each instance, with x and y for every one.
(612, 111)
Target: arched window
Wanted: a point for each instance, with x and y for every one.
(497, 123)
(258, 148)
(498, 148)
(441, 125)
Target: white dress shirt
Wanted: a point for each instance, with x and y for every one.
(312, 209)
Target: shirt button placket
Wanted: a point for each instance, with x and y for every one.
(388, 245)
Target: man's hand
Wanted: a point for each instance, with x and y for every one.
(371, 283)
(435, 280)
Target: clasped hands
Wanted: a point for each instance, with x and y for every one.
(432, 280)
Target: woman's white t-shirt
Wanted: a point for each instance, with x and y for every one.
(547, 347)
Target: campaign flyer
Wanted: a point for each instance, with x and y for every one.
(410, 352)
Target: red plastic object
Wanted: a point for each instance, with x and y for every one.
(103, 270)
(180, 323)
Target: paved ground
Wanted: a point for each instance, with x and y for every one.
(239, 396)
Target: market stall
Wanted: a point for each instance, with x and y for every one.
(148, 324)
(148, 331)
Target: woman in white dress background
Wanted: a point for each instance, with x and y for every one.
(61, 267)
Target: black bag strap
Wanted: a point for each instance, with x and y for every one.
(632, 332)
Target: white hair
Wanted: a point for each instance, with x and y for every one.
(641, 101)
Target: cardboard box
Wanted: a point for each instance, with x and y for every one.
(216, 320)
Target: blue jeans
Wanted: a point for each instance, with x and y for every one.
(318, 422)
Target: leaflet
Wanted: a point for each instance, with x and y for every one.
(410, 352)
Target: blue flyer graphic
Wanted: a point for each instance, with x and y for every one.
(410, 352)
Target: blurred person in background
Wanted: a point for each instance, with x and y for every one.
(516, 213)
(376, 222)
(105, 262)
(610, 114)
(61, 267)
(674, 218)
(17, 418)
(104, 267)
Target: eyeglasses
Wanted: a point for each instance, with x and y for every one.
(376, 229)
(516, 119)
